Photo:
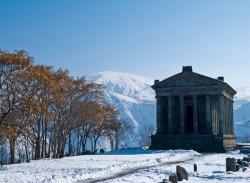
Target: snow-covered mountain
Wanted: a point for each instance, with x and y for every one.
(132, 95)
(242, 114)
(135, 99)
(242, 104)
(243, 93)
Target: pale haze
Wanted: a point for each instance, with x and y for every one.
(149, 38)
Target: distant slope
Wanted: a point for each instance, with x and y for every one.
(132, 95)
(242, 97)
(242, 104)
(242, 114)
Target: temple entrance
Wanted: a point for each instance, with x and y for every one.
(189, 119)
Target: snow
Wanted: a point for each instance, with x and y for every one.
(242, 97)
(125, 84)
(243, 93)
(127, 165)
(133, 97)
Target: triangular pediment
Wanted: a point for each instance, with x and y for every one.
(188, 78)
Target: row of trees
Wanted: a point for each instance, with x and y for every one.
(47, 112)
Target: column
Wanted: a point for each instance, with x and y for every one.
(228, 117)
(226, 111)
(221, 121)
(232, 118)
(182, 114)
(195, 124)
(224, 115)
(170, 130)
(208, 116)
(158, 115)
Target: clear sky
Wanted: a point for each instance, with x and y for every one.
(151, 38)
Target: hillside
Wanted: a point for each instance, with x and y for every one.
(242, 104)
(132, 95)
(242, 114)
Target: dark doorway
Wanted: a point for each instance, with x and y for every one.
(189, 119)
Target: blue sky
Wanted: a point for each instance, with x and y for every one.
(144, 37)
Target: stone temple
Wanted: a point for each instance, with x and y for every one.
(194, 112)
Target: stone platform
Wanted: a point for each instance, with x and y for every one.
(199, 143)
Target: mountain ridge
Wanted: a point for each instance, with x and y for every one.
(133, 97)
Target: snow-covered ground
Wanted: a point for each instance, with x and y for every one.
(128, 165)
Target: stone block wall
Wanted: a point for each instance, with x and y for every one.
(200, 143)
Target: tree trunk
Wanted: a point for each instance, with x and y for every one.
(38, 150)
(116, 142)
(49, 150)
(112, 143)
(26, 150)
(95, 139)
(70, 145)
(12, 150)
(45, 141)
(78, 142)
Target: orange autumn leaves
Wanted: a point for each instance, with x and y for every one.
(49, 108)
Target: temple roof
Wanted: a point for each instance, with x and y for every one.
(188, 78)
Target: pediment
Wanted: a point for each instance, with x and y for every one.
(188, 79)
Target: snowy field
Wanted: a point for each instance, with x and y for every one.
(128, 165)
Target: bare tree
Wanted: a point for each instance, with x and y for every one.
(118, 132)
(145, 133)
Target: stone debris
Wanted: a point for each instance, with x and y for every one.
(181, 173)
(247, 159)
(173, 178)
(230, 164)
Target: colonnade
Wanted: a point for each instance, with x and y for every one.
(218, 113)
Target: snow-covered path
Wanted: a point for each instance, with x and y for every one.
(211, 168)
(136, 170)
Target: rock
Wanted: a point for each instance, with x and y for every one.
(237, 167)
(195, 168)
(230, 164)
(173, 178)
(181, 173)
(245, 164)
(246, 159)
(239, 161)
(165, 181)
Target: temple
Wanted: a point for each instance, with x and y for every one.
(194, 112)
